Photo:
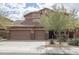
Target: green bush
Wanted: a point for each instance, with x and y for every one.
(74, 42)
(61, 39)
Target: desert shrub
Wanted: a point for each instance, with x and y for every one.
(3, 35)
(74, 42)
(61, 39)
(51, 41)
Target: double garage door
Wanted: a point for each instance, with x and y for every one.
(26, 35)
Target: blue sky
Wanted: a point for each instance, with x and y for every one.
(17, 10)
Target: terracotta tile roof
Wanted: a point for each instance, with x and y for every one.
(38, 11)
(25, 26)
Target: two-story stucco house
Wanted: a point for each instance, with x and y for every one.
(30, 28)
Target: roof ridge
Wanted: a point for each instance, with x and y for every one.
(37, 11)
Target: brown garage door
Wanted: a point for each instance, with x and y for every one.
(20, 35)
(39, 35)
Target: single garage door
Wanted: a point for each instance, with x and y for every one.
(40, 35)
(20, 35)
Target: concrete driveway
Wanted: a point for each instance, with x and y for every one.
(21, 47)
(34, 48)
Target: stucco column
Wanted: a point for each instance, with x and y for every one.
(32, 34)
(8, 34)
(46, 35)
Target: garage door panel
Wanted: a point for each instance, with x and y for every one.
(20, 35)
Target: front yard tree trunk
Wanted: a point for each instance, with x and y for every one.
(59, 38)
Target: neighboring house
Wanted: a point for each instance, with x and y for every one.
(3, 32)
(4, 24)
(1, 29)
(30, 28)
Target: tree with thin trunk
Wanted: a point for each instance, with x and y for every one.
(58, 20)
